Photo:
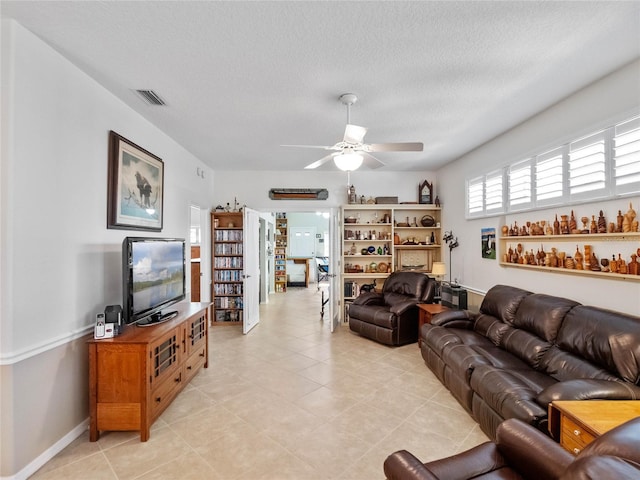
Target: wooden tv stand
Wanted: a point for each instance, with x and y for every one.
(135, 376)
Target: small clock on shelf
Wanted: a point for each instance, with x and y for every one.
(425, 192)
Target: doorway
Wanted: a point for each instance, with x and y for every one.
(195, 244)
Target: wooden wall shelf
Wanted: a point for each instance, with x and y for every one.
(585, 238)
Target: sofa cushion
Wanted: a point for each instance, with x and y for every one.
(377, 315)
(609, 340)
(526, 346)
(542, 315)
(490, 327)
(502, 302)
(511, 393)
(438, 338)
(564, 366)
(462, 359)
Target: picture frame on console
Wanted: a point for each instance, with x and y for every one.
(135, 190)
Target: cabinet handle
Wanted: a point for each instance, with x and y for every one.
(576, 451)
(189, 367)
(202, 354)
(158, 399)
(177, 379)
(577, 432)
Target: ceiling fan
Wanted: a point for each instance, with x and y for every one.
(351, 152)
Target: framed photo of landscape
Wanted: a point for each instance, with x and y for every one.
(135, 190)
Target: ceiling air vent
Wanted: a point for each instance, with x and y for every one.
(150, 97)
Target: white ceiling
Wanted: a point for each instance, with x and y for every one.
(242, 78)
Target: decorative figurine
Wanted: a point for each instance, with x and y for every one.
(578, 259)
(585, 229)
(594, 225)
(556, 226)
(593, 264)
(634, 265)
(573, 225)
(620, 220)
(628, 219)
(564, 224)
(622, 265)
(352, 194)
(602, 223)
(613, 264)
(605, 264)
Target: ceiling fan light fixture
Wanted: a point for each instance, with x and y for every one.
(348, 162)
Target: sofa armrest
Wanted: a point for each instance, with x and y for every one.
(404, 466)
(454, 319)
(530, 450)
(369, 298)
(588, 389)
(401, 307)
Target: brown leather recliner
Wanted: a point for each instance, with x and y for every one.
(523, 452)
(391, 317)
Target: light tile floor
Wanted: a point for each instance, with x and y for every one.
(290, 400)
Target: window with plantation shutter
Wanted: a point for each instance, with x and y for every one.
(520, 185)
(475, 196)
(587, 167)
(626, 157)
(602, 165)
(493, 192)
(549, 176)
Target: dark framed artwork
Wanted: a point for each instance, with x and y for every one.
(135, 190)
(425, 192)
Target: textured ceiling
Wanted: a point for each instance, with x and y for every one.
(242, 78)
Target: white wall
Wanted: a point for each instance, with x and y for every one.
(613, 98)
(252, 188)
(59, 264)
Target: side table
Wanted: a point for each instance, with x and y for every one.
(577, 423)
(426, 313)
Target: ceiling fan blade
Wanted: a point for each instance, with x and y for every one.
(370, 161)
(354, 134)
(322, 161)
(322, 147)
(396, 147)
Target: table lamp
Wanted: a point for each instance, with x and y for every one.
(438, 270)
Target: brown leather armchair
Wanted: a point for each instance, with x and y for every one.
(523, 452)
(391, 317)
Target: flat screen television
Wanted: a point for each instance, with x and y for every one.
(153, 278)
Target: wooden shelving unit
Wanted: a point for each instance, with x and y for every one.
(280, 252)
(414, 252)
(228, 269)
(598, 241)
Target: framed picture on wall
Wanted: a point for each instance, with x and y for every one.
(135, 190)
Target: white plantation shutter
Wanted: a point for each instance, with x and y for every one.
(520, 185)
(493, 192)
(587, 167)
(603, 165)
(549, 177)
(626, 157)
(475, 197)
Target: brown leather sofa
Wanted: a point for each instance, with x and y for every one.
(522, 452)
(524, 350)
(391, 317)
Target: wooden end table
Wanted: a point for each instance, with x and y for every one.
(577, 423)
(426, 313)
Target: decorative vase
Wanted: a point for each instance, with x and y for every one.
(564, 224)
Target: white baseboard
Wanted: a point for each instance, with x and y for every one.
(49, 453)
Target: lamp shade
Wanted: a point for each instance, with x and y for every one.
(348, 161)
(438, 269)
